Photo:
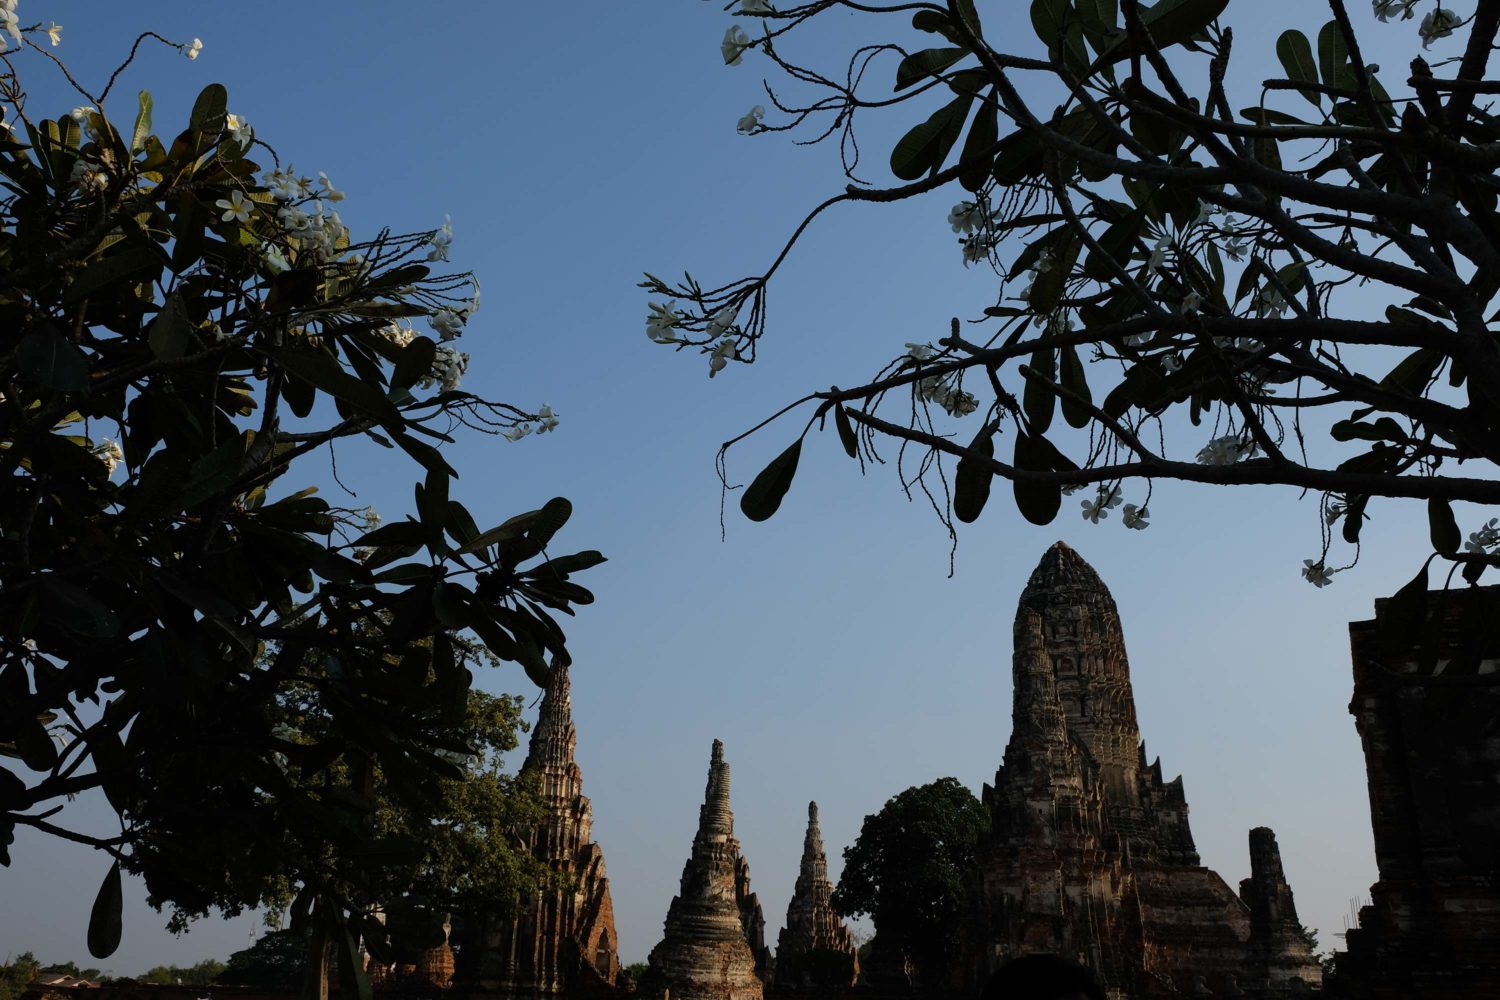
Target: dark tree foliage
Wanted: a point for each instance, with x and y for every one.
(274, 962)
(907, 870)
(183, 325)
(1213, 269)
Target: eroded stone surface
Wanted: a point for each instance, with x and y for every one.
(1432, 757)
(563, 943)
(713, 943)
(813, 932)
(1091, 855)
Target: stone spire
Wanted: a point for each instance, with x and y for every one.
(564, 941)
(1279, 951)
(808, 953)
(712, 946)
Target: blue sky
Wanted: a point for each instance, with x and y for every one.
(577, 145)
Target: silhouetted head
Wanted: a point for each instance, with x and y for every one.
(1042, 977)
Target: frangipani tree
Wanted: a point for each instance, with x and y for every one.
(186, 322)
(1296, 292)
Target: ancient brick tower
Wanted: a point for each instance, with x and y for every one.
(713, 945)
(563, 943)
(807, 953)
(1091, 856)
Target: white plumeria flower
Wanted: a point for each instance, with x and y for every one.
(236, 207)
(722, 320)
(1226, 450)
(329, 192)
(191, 51)
(283, 186)
(1136, 517)
(1094, 511)
(1158, 256)
(734, 45)
(1268, 302)
(274, 258)
(1191, 302)
(967, 216)
(1437, 24)
(751, 120)
(661, 320)
(1205, 213)
(110, 454)
(399, 334)
(53, 32)
(757, 7)
(724, 352)
(1385, 9)
(920, 352)
(1171, 362)
(293, 218)
(1235, 249)
(238, 128)
(1138, 339)
(82, 113)
(1316, 573)
(517, 432)
(546, 420)
(975, 250)
(448, 366)
(448, 323)
(441, 240)
(88, 178)
(1486, 538)
(12, 21)
(1112, 499)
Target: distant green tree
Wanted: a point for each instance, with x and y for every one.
(274, 962)
(906, 869)
(72, 969)
(16, 974)
(635, 970)
(204, 973)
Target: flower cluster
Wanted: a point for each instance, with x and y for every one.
(110, 454)
(88, 178)
(920, 352)
(751, 121)
(10, 23)
(1315, 573)
(1227, 450)
(546, 421)
(448, 366)
(1486, 539)
(661, 321)
(312, 231)
(954, 401)
(733, 47)
(967, 216)
(1437, 24)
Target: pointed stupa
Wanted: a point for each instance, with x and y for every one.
(1085, 645)
(712, 945)
(815, 949)
(564, 941)
(1279, 952)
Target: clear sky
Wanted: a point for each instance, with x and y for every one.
(577, 145)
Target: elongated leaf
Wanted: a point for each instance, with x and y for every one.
(142, 128)
(170, 335)
(983, 135)
(1402, 617)
(1354, 518)
(208, 116)
(76, 609)
(1295, 53)
(765, 493)
(1037, 502)
(1333, 57)
(971, 485)
(928, 62)
(1072, 379)
(35, 745)
(47, 358)
(1039, 400)
(1444, 528)
(104, 920)
(846, 431)
(923, 149)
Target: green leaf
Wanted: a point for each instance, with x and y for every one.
(764, 495)
(104, 920)
(47, 358)
(971, 485)
(414, 363)
(1354, 518)
(933, 22)
(928, 62)
(1412, 374)
(206, 122)
(142, 128)
(1333, 57)
(1037, 502)
(34, 744)
(1038, 399)
(983, 135)
(1049, 285)
(563, 565)
(76, 609)
(319, 369)
(1295, 53)
(923, 149)
(170, 334)
(846, 431)
(1443, 526)
(1170, 22)
(1074, 381)
(128, 266)
(1401, 618)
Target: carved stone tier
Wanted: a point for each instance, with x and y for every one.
(1091, 856)
(713, 944)
(808, 953)
(563, 941)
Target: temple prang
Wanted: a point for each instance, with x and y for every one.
(815, 948)
(713, 940)
(1091, 855)
(562, 942)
